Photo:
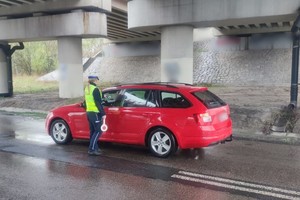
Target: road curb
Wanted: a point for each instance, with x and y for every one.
(21, 110)
(275, 137)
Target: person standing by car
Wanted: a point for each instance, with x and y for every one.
(95, 113)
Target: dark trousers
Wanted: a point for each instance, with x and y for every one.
(95, 122)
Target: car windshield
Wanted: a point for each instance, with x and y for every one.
(209, 99)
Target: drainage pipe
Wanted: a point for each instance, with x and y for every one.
(295, 69)
(295, 64)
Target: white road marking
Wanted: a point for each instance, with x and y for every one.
(226, 183)
(292, 192)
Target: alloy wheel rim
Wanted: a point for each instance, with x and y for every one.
(59, 132)
(161, 143)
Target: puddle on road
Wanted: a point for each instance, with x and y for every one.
(42, 139)
(7, 127)
(24, 128)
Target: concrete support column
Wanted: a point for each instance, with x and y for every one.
(177, 54)
(70, 67)
(3, 73)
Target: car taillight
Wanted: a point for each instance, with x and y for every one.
(203, 118)
(206, 117)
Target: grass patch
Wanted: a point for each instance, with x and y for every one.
(34, 115)
(74, 100)
(30, 84)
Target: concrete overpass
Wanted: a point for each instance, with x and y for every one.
(115, 11)
(177, 19)
(66, 21)
(173, 21)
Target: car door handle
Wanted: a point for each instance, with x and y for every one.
(113, 109)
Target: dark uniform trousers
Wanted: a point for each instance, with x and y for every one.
(95, 122)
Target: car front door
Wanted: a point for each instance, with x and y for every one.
(111, 101)
(78, 122)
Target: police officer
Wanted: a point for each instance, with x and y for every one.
(95, 113)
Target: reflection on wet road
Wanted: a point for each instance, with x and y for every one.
(23, 128)
(37, 168)
(36, 178)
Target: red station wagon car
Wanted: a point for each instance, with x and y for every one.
(160, 116)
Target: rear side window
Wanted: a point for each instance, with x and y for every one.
(209, 99)
(173, 100)
(139, 98)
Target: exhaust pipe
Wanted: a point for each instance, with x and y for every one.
(229, 139)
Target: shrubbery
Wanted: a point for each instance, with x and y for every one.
(41, 57)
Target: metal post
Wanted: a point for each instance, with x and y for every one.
(10, 76)
(8, 52)
(6, 49)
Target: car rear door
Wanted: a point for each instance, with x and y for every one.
(176, 110)
(138, 109)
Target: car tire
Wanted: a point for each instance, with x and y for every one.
(161, 143)
(60, 132)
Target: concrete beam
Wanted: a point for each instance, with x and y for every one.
(256, 30)
(81, 24)
(119, 5)
(54, 6)
(150, 14)
(143, 39)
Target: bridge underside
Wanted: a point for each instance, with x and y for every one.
(171, 21)
(229, 17)
(27, 12)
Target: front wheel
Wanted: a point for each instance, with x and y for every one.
(60, 132)
(161, 143)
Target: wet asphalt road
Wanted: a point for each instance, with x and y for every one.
(32, 166)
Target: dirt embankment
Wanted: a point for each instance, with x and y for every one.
(250, 107)
(41, 101)
(254, 107)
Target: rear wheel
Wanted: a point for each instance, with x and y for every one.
(162, 143)
(60, 132)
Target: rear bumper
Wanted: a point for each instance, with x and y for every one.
(207, 138)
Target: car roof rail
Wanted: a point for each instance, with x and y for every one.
(148, 83)
(160, 83)
(172, 83)
(167, 84)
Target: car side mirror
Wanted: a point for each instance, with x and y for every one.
(82, 105)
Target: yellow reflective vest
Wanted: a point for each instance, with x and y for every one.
(89, 99)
